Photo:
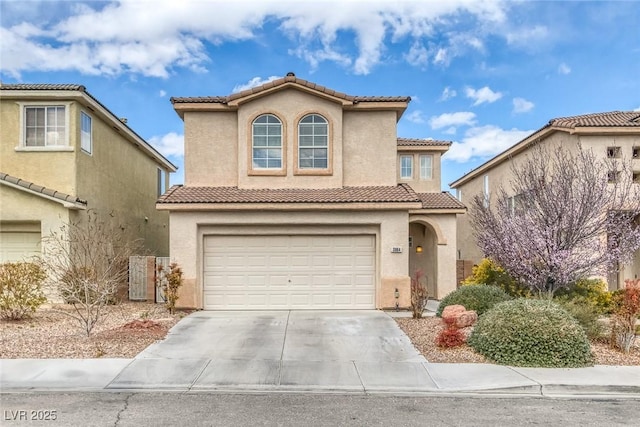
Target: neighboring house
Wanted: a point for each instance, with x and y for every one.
(298, 196)
(62, 153)
(610, 135)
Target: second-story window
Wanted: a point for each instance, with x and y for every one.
(406, 167)
(86, 133)
(426, 166)
(267, 142)
(45, 126)
(313, 142)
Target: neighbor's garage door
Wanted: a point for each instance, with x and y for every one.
(289, 272)
(18, 246)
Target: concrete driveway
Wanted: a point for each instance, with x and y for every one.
(338, 350)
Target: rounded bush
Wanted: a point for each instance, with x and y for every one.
(480, 298)
(533, 333)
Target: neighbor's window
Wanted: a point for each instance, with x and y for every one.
(85, 133)
(613, 176)
(313, 142)
(45, 126)
(406, 167)
(267, 142)
(426, 166)
(459, 194)
(614, 152)
(636, 177)
(636, 153)
(161, 182)
(486, 190)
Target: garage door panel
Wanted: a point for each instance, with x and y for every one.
(289, 272)
(19, 246)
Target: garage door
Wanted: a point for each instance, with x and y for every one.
(18, 246)
(289, 272)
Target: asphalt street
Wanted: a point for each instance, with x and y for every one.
(279, 409)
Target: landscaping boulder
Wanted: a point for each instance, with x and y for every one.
(453, 311)
(466, 318)
(461, 317)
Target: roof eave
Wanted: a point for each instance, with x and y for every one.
(73, 205)
(256, 207)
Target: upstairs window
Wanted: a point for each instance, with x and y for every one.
(635, 153)
(267, 142)
(485, 188)
(426, 167)
(45, 126)
(86, 142)
(614, 152)
(406, 167)
(313, 142)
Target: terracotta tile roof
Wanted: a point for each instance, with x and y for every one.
(414, 142)
(442, 200)
(383, 194)
(608, 119)
(289, 78)
(41, 86)
(34, 188)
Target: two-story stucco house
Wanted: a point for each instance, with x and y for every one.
(298, 196)
(62, 153)
(613, 135)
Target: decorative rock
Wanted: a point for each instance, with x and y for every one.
(466, 318)
(452, 311)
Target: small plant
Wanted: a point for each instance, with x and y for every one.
(419, 295)
(531, 332)
(171, 283)
(479, 298)
(488, 272)
(593, 292)
(586, 314)
(20, 289)
(625, 315)
(450, 335)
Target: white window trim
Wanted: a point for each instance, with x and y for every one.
(282, 147)
(90, 152)
(411, 163)
(64, 147)
(300, 147)
(422, 177)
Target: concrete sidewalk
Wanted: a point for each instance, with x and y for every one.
(184, 375)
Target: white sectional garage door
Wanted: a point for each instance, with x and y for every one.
(289, 272)
(18, 246)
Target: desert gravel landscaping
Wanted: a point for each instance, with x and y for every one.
(124, 331)
(423, 332)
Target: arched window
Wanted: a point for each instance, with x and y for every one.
(313, 141)
(267, 142)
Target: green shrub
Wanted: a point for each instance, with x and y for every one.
(586, 314)
(589, 291)
(20, 289)
(531, 332)
(488, 272)
(474, 297)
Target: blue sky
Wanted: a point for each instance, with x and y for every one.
(483, 74)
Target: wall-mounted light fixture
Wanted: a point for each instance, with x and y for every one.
(418, 249)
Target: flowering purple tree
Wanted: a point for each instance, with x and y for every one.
(566, 217)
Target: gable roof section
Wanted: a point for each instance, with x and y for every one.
(27, 90)
(398, 103)
(442, 200)
(612, 122)
(64, 199)
(423, 144)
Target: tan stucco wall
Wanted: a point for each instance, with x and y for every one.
(189, 228)
(370, 148)
(119, 181)
(54, 169)
(501, 175)
(418, 184)
(211, 148)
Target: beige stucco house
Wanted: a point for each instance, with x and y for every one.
(62, 153)
(300, 197)
(610, 135)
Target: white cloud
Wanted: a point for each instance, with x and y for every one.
(162, 93)
(564, 69)
(416, 116)
(483, 142)
(448, 93)
(451, 131)
(527, 36)
(170, 144)
(482, 95)
(256, 81)
(461, 118)
(521, 105)
(154, 38)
